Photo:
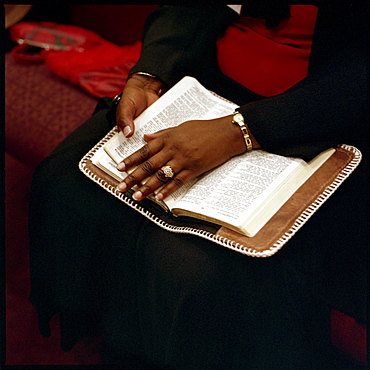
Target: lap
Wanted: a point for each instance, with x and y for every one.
(59, 181)
(91, 253)
(80, 216)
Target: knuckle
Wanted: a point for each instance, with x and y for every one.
(130, 179)
(178, 181)
(144, 152)
(147, 167)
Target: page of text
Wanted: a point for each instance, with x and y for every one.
(238, 186)
(187, 100)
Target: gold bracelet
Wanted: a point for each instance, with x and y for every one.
(142, 74)
(239, 120)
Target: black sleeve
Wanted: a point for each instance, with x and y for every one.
(325, 109)
(329, 106)
(181, 40)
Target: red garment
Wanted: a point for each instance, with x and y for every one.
(78, 55)
(268, 61)
(54, 36)
(101, 70)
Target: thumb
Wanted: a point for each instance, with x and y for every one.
(124, 117)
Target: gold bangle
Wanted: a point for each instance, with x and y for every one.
(239, 120)
(142, 74)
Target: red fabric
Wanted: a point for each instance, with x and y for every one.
(63, 108)
(101, 70)
(50, 35)
(348, 335)
(78, 55)
(268, 61)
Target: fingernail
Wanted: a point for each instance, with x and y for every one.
(126, 130)
(138, 195)
(159, 196)
(122, 186)
(121, 166)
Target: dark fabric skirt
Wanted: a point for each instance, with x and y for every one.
(177, 300)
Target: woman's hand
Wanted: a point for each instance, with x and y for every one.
(140, 92)
(191, 149)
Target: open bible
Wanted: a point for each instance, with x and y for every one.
(240, 197)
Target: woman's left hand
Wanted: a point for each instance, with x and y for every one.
(190, 149)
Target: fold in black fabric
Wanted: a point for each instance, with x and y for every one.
(272, 11)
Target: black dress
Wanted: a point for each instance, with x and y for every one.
(179, 301)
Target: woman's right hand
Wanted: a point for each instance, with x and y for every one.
(139, 93)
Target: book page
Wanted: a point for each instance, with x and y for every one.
(247, 190)
(187, 100)
(234, 189)
(105, 163)
(261, 212)
(244, 192)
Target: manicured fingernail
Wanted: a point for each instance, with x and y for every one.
(126, 130)
(121, 166)
(138, 195)
(159, 196)
(122, 186)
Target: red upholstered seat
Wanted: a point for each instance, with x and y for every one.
(41, 110)
(349, 336)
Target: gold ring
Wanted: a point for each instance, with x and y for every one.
(168, 171)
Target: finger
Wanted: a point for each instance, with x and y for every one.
(135, 99)
(155, 135)
(150, 137)
(142, 172)
(125, 114)
(155, 182)
(141, 155)
(175, 183)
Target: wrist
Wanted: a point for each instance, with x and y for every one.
(250, 141)
(238, 120)
(147, 81)
(229, 135)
